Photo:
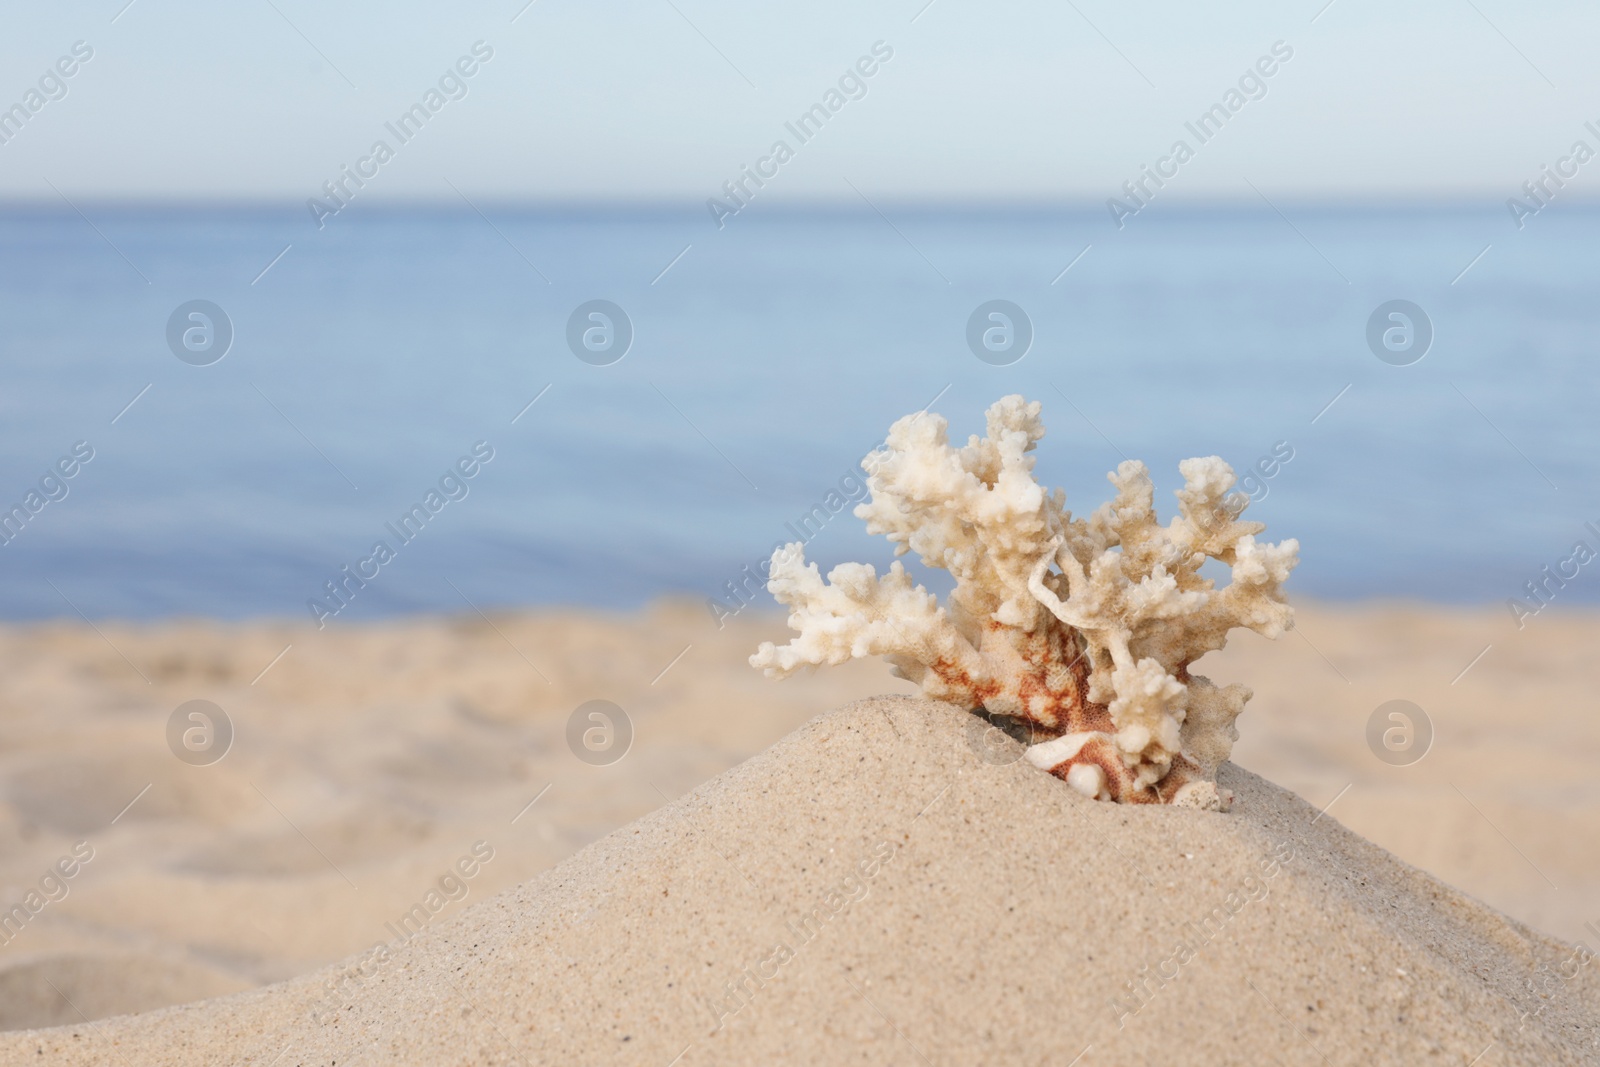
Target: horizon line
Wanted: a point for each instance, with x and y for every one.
(966, 204)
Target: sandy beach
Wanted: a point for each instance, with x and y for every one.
(698, 534)
(386, 782)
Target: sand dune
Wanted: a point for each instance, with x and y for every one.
(369, 759)
(873, 889)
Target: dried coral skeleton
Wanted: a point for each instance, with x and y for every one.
(1084, 629)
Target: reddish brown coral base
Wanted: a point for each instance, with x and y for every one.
(1119, 780)
(1051, 707)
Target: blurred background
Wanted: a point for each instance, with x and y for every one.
(579, 310)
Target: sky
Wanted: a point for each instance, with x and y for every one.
(666, 100)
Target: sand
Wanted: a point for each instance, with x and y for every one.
(873, 890)
(366, 762)
(369, 761)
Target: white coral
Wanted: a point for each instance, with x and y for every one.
(1084, 629)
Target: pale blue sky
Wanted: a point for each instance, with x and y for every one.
(654, 99)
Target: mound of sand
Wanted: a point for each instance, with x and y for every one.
(888, 885)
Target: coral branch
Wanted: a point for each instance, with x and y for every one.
(1084, 629)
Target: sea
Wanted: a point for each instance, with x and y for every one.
(648, 403)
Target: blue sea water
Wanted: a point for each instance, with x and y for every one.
(766, 359)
